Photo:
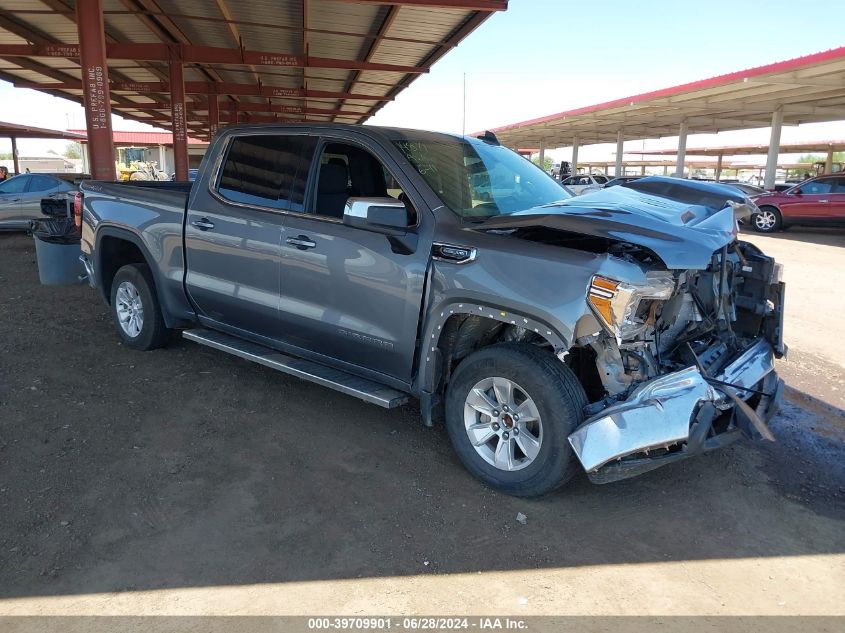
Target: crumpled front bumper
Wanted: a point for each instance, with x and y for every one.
(672, 416)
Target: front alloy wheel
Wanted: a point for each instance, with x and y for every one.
(509, 411)
(503, 423)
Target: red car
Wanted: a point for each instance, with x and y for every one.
(819, 201)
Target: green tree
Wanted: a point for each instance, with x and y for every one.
(547, 162)
(810, 159)
(73, 150)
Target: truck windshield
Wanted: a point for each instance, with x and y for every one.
(478, 180)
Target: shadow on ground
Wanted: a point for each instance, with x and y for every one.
(184, 467)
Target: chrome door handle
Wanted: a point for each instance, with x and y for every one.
(822, 200)
(203, 224)
(301, 242)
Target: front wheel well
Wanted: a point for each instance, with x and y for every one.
(113, 254)
(463, 334)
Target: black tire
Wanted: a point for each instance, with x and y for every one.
(560, 401)
(761, 222)
(153, 333)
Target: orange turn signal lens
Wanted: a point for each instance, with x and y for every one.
(602, 291)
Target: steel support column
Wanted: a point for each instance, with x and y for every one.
(15, 164)
(620, 150)
(542, 158)
(213, 115)
(828, 162)
(718, 168)
(95, 84)
(682, 150)
(179, 129)
(774, 149)
(574, 165)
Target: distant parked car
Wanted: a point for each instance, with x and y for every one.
(818, 201)
(620, 180)
(582, 183)
(192, 175)
(20, 196)
(744, 187)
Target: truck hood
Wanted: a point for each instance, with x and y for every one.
(682, 235)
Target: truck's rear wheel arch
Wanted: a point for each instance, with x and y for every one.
(116, 248)
(114, 252)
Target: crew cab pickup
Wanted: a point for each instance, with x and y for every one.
(620, 330)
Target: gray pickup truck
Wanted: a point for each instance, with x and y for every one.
(620, 330)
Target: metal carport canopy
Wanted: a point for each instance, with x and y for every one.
(314, 60)
(805, 89)
(13, 132)
(742, 150)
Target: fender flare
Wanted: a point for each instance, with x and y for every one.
(429, 350)
(121, 234)
(129, 236)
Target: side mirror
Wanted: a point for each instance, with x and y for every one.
(796, 191)
(380, 215)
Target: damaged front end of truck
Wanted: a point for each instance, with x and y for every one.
(681, 326)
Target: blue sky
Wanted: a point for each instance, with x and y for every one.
(544, 56)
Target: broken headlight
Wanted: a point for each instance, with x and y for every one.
(617, 303)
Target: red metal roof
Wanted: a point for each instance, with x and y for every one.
(141, 138)
(809, 88)
(739, 150)
(8, 130)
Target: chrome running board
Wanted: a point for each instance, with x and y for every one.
(344, 382)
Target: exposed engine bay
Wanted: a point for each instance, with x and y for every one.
(692, 348)
(675, 339)
(683, 318)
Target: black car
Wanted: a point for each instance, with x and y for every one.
(620, 180)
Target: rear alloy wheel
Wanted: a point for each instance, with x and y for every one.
(509, 411)
(135, 308)
(766, 220)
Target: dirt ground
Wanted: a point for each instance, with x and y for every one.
(185, 481)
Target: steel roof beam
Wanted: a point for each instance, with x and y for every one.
(202, 54)
(456, 36)
(205, 18)
(248, 107)
(392, 13)
(467, 5)
(204, 88)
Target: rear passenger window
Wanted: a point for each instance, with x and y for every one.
(42, 183)
(267, 170)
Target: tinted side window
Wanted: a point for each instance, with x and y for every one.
(267, 170)
(818, 186)
(16, 184)
(840, 185)
(349, 171)
(42, 183)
